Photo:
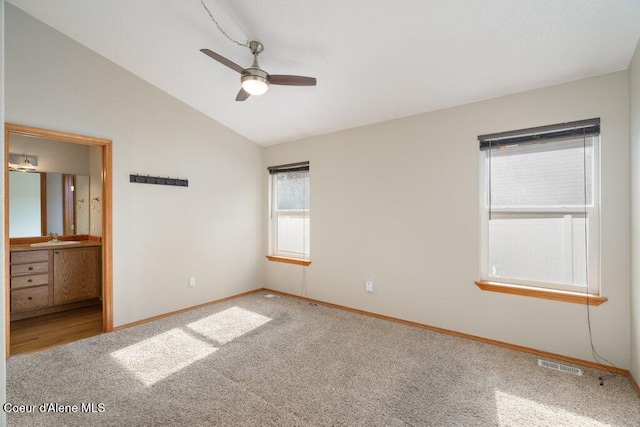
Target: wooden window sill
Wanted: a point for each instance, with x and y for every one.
(566, 296)
(296, 261)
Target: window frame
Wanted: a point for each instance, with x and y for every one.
(592, 212)
(274, 213)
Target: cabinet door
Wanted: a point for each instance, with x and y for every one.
(76, 274)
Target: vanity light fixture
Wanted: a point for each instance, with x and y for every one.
(26, 165)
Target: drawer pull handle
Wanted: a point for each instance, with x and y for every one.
(30, 280)
(30, 268)
(30, 298)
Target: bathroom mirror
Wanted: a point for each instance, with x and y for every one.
(46, 202)
(61, 194)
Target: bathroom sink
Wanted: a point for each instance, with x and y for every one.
(58, 243)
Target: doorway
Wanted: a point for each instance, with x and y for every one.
(104, 202)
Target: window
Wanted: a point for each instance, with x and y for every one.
(289, 211)
(540, 207)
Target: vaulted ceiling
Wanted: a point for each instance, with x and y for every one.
(375, 60)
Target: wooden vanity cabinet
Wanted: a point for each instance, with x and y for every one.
(50, 280)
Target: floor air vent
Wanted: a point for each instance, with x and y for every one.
(559, 367)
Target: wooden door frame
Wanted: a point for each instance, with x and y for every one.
(107, 220)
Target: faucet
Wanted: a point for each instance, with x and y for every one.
(54, 236)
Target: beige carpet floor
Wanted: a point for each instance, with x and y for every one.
(280, 361)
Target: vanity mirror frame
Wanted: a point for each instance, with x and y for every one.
(107, 222)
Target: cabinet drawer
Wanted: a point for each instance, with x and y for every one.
(33, 268)
(19, 257)
(30, 298)
(25, 281)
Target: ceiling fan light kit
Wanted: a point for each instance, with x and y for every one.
(255, 81)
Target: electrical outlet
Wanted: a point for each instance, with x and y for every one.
(192, 282)
(368, 286)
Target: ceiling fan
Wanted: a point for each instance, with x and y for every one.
(254, 80)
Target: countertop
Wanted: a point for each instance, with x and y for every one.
(28, 247)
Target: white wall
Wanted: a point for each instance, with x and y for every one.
(397, 203)
(3, 317)
(634, 83)
(162, 235)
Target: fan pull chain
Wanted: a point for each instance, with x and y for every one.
(246, 44)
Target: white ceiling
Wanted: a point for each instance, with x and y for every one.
(375, 60)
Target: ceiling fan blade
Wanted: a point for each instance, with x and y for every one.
(283, 79)
(242, 95)
(224, 61)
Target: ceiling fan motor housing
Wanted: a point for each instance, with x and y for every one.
(256, 47)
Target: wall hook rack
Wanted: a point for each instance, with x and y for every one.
(158, 180)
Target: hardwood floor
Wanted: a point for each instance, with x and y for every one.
(38, 333)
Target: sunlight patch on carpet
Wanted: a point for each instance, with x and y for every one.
(228, 324)
(515, 410)
(156, 358)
